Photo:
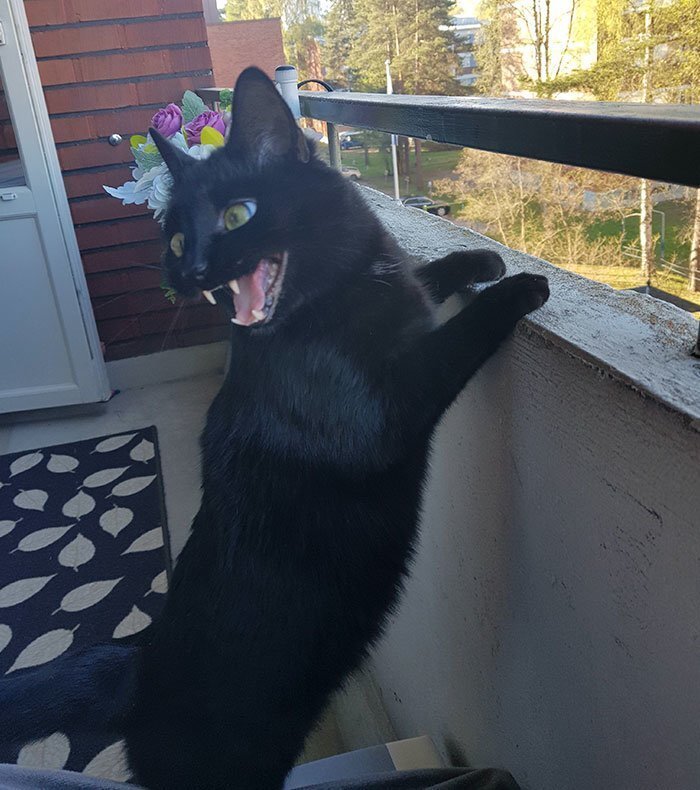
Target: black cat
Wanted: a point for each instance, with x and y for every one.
(314, 452)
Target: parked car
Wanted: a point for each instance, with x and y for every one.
(352, 173)
(431, 206)
(350, 140)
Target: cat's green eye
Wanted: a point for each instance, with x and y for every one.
(237, 214)
(177, 244)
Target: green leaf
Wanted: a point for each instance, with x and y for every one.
(192, 106)
(168, 292)
(225, 99)
(145, 159)
(211, 136)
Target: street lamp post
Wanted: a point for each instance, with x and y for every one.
(394, 158)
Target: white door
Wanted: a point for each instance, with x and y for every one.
(49, 349)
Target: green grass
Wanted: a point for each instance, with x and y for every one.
(440, 164)
(623, 277)
(678, 218)
(436, 164)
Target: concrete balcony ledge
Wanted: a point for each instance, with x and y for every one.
(638, 340)
(551, 624)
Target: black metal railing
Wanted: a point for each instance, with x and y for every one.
(656, 141)
(660, 142)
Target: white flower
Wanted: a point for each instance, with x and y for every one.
(178, 140)
(154, 184)
(133, 192)
(159, 197)
(201, 151)
(152, 187)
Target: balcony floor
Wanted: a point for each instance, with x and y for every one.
(178, 410)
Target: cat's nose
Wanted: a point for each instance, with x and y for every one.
(198, 271)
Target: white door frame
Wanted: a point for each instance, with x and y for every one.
(92, 375)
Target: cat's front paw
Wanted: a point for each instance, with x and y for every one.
(523, 293)
(475, 267)
(489, 266)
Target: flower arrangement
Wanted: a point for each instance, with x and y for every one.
(193, 127)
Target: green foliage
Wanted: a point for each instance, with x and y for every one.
(535, 207)
(488, 49)
(192, 106)
(368, 32)
(252, 9)
(301, 22)
(677, 28)
(168, 292)
(341, 38)
(225, 99)
(294, 12)
(145, 160)
(673, 71)
(301, 47)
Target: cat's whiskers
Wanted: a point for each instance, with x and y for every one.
(172, 326)
(127, 326)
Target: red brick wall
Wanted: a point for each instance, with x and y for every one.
(107, 66)
(235, 45)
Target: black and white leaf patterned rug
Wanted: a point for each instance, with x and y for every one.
(83, 559)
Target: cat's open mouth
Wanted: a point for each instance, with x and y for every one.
(253, 296)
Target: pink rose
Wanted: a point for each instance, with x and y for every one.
(193, 130)
(168, 121)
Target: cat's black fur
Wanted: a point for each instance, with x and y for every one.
(314, 453)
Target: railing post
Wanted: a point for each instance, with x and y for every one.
(287, 81)
(333, 146)
(287, 78)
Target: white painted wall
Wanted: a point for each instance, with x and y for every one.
(552, 622)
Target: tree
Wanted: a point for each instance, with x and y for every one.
(301, 25)
(536, 207)
(647, 52)
(677, 27)
(302, 48)
(252, 9)
(528, 43)
(341, 37)
(415, 35)
(694, 273)
(488, 49)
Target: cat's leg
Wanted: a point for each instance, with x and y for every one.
(459, 270)
(430, 375)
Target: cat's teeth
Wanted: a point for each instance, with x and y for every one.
(236, 321)
(258, 314)
(209, 296)
(234, 286)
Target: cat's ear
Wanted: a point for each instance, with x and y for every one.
(263, 127)
(175, 158)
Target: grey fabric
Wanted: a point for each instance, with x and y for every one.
(12, 777)
(428, 779)
(362, 762)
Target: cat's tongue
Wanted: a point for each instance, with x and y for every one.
(251, 296)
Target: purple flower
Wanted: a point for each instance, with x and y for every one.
(193, 130)
(168, 121)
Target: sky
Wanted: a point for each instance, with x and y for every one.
(467, 7)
